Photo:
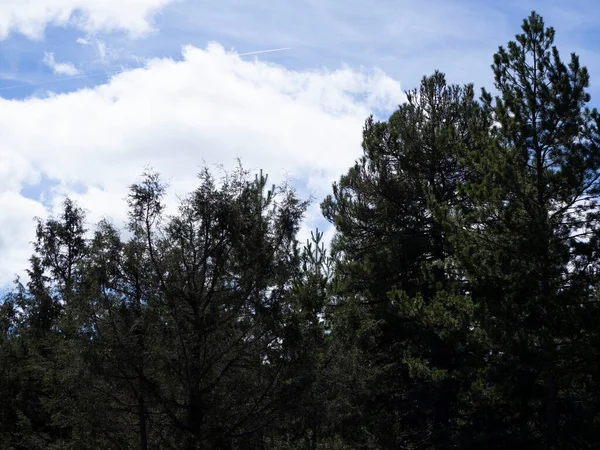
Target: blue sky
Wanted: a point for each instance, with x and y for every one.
(93, 90)
(405, 39)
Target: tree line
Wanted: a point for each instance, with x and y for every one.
(457, 306)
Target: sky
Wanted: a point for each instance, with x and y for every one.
(94, 91)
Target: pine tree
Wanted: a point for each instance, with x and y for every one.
(41, 326)
(396, 267)
(528, 247)
(305, 424)
(218, 275)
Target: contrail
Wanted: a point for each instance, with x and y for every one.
(264, 51)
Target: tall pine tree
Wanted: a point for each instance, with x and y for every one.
(529, 247)
(396, 267)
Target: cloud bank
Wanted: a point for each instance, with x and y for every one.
(209, 106)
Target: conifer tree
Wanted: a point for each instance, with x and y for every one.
(528, 245)
(395, 263)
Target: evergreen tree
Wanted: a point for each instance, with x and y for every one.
(396, 267)
(40, 324)
(219, 273)
(305, 423)
(528, 245)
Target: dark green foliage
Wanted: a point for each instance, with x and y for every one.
(171, 339)
(526, 246)
(396, 267)
(458, 307)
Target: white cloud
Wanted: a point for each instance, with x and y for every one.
(59, 68)
(211, 106)
(30, 17)
(17, 229)
(97, 44)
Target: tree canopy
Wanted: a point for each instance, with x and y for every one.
(456, 307)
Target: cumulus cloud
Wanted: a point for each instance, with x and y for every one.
(31, 17)
(17, 230)
(209, 107)
(59, 68)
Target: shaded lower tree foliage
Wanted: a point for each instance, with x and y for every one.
(457, 306)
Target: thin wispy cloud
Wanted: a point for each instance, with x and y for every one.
(96, 44)
(59, 68)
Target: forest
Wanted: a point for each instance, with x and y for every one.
(457, 306)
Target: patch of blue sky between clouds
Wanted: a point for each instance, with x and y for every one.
(24, 72)
(44, 190)
(40, 190)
